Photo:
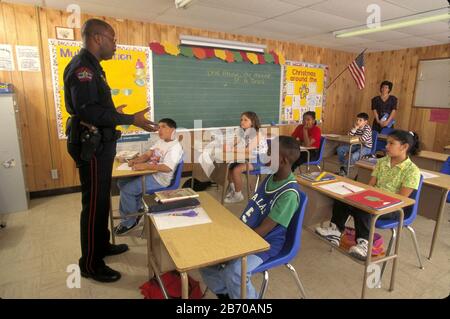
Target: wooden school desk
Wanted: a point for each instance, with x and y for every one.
(345, 139)
(319, 209)
(432, 200)
(123, 174)
(447, 149)
(193, 247)
(430, 160)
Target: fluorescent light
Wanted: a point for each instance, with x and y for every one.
(181, 3)
(409, 21)
(223, 44)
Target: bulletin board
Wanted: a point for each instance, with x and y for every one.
(433, 84)
(128, 75)
(302, 89)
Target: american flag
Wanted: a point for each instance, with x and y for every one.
(357, 70)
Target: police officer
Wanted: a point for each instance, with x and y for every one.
(92, 139)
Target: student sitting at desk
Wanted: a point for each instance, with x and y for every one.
(395, 173)
(309, 134)
(253, 140)
(163, 157)
(364, 132)
(268, 213)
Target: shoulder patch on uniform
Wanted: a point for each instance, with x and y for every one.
(84, 74)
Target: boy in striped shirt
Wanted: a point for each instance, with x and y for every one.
(364, 131)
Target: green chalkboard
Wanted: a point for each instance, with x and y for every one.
(216, 92)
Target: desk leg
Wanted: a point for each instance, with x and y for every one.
(225, 185)
(248, 180)
(369, 254)
(438, 222)
(152, 269)
(396, 251)
(308, 156)
(184, 286)
(244, 277)
(349, 159)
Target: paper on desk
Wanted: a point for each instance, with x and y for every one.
(427, 175)
(124, 167)
(342, 188)
(165, 221)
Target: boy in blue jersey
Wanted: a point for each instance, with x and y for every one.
(268, 213)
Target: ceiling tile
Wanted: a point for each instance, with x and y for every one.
(425, 29)
(282, 28)
(413, 42)
(320, 20)
(208, 18)
(385, 36)
(356, 10)
(420, 5)
(259, 8)
(303, 3)
(443, 37)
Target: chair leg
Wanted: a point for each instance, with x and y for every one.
(264, 285)
(388, 253)
(416, 245)
(111, 222)
(297, 279)
(257, 182)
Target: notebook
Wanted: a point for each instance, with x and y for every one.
(181, 204)
(312, 177)
(374, 199)
(175, 195)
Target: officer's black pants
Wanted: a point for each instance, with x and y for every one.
(95, 178)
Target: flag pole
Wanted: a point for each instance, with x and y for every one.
(344, 70)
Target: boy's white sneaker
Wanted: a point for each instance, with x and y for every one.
(330, 233)
(360, 249)
(235, 198)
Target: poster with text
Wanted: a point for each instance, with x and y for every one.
(128, 74)
(302, 90)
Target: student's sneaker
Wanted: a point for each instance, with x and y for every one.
(360, 249)
(330, 233)
(235, 198)
(121, 230)
(230, 190)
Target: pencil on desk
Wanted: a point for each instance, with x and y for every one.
(318, 178)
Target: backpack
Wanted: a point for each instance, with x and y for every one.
(198, 186)
(172, 283)
(348, 240)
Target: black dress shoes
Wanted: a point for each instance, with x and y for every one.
(104, 274)
(116, 249)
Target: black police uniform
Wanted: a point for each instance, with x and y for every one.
(88, 99)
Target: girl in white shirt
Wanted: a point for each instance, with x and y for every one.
(254, 143)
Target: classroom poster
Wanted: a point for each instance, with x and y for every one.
(6, 58)
(28, 59)
(302, 90)
(128, 74)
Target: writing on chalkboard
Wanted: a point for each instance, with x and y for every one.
(240, 77)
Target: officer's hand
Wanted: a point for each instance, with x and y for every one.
(141, 121)
(120, 108)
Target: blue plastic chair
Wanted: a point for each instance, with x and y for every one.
(381, 145)
(258, 172)
(373, 150)
(410, 216)
(174, 184)
(289, 250)
(446, 170)
(319, 160)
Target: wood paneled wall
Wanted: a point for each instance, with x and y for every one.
(28, 25)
